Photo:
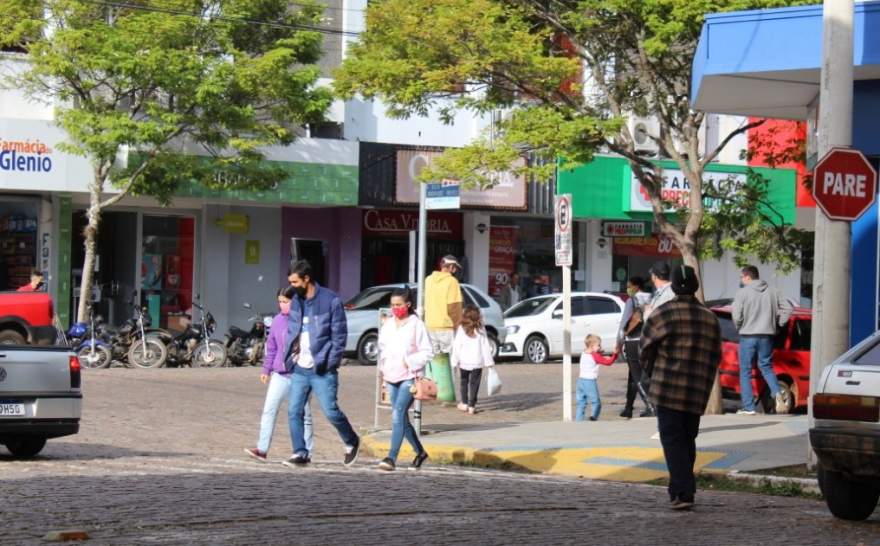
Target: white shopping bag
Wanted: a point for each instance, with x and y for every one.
(494, 382)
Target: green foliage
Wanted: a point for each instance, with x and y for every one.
(167, 79)
(566, 74)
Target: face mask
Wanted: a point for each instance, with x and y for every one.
(631, 291)
(285, 308)
(742, 284)
(400, 312)
(301, 291)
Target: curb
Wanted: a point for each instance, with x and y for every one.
(617, 464)
(808, 485)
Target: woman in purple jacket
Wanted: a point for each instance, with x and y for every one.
(275, 373)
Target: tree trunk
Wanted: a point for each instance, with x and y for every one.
(91, 245)
(715, 405)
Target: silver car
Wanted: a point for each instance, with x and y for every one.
(846, 433)
(362, 313)
(40, 396)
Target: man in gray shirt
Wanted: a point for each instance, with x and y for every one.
(757, 312)
(663, 293)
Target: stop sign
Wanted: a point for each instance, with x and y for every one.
(844, 184)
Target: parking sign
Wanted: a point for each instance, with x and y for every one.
(563, 228)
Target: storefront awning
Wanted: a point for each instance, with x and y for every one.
(766, 63)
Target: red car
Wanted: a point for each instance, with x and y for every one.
(791, 360)
(26, 318)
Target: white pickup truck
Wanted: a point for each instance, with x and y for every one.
(40, 396)
(846, 434)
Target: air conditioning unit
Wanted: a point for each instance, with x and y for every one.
(642, 129)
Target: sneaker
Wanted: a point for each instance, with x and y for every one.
(593, 418)
(417, 462)
(386, 464)
(781, 403)
(679, 504)
(471, 411)
(646, 413)
(626, 414)
(462, 407)
(746, 412)
(297, 461)
(352, 455)
(256, 454)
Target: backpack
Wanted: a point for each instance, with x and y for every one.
(636, 320)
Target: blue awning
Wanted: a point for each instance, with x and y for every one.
(766, 63)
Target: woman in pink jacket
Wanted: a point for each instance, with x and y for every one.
(275, 373)
(404, 351)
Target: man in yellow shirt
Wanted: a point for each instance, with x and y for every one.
(443, 307)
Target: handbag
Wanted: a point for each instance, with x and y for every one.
(423, 389)
(494, 382)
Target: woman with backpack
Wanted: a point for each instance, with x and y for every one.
(628, 337)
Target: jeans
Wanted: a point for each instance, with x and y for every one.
(302, 383)
(401, 400)
(636, 380)
(470, 386)
(678, 435)
(587, 391)
(278, 391)
(749, 345)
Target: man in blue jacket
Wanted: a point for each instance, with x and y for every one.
(316, 336)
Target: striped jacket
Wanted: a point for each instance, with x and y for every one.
(681, 350)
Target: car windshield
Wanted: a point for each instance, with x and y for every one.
(728, 330)
(370, 299)
(871, 357)
(529, 307)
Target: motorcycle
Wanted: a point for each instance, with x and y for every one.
(135, 344)
(247, 347)
(194, 346)
(88, 344)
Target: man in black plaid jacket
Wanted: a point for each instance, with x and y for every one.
(680, 350)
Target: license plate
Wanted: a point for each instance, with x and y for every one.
(11, 410)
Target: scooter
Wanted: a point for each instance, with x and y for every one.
(194, 346)
(93, 351)
(247, 347)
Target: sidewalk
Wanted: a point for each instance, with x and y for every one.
(614, 449)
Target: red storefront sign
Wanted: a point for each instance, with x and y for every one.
(398, 223)
(502, 256)
(654, 246)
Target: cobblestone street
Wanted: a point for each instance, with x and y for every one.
(159, 461)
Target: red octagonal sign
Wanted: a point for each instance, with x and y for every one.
(844, 184)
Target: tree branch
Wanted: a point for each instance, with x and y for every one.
(711, 156)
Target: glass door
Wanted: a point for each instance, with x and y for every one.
(167, 260)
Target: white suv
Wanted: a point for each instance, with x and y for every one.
(846, 435)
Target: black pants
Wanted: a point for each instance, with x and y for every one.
(678, 435)
(636, 381)
(470, 386)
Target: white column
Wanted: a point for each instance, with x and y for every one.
(831, 285)
(216, 290)
(599, 260)
(476, 240)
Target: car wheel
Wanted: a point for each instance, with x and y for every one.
(368, 349)
(11, 337)
(536, 350)
(847, 499)
(25, 446)
(767, 402)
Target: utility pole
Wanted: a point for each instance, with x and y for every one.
(831, 270)
(420, 302)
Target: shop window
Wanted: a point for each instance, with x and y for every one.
(18, 242)
(167, 269)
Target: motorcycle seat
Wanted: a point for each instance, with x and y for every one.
(238, 332)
